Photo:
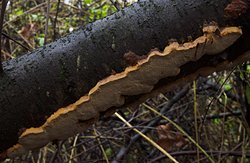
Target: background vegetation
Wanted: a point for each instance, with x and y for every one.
(203, 120)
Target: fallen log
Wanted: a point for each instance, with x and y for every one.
(62, 88)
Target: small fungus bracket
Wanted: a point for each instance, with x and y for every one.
(138, 78)
(132, 59)
(236, 8)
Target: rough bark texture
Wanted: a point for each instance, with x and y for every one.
(35, 85)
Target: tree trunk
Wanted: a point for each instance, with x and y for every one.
(93, 66)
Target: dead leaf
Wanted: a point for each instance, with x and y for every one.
(168, 138)
(28, 32)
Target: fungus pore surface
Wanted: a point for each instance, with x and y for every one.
(134, 80)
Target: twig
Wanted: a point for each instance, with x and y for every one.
(47, 22)
(4, 4)
(15, 41)
(148, 139)
(223, 127)
(101, 146)
(58, 149)
(124, 150)
(55, 20)
(26, 12)
(180, 153)
(73, 150)
(241, 86)
(209, 105)
(113, 3)
(181, 130)
(195, 120)
(232, 152)
(220, 115)
(217, 87)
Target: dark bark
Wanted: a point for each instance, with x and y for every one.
(37, 84)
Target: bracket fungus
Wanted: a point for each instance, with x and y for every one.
(138, 78)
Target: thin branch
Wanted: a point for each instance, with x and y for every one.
(15, 41)
(58, 149)
(216, 87)
(25, 13)
(55, 20)
(125, 149)
(4, 4)
(115, 4)
(181, 153)
(213, 99)
(47, 22)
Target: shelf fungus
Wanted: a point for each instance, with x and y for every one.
(138, 78)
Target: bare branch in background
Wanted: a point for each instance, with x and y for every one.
(55, 20)
(115, 4)
(46, 23)
(15, 41)
(4, 4)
